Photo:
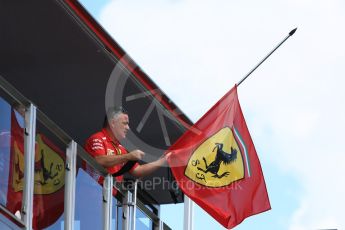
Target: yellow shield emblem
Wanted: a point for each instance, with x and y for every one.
(49, 169)
(217, 162)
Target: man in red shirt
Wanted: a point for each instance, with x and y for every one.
(105, 147)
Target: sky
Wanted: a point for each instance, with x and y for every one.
(196, 50)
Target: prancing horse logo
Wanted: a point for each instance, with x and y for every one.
(221, 156)
(217, 162)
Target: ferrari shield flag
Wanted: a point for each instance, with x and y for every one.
(49, 177)
(216, 165)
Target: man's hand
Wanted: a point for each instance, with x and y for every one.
(166, 156)
(146, 169)
(135, 155)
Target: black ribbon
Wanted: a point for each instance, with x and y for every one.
(125, 168)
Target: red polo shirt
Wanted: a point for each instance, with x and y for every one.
(100, 144)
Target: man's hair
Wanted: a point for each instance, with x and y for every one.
(113, 112)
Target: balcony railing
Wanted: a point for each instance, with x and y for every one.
(45, 184)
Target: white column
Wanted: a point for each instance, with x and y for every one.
(129, 209)
(126, 210)
(107, 201)
(134, 204)
(188, 213)
(70, 182)
(29, 165)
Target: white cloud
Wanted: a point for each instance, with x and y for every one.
(196, 51)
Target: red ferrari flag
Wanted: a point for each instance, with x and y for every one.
(216, 165)
(49, 177)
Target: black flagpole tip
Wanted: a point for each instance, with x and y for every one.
(292, 31)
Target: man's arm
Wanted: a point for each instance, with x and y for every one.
(146, 169)
(111, 160)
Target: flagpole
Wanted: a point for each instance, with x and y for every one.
(264, 59)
